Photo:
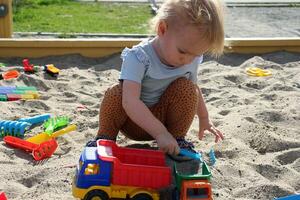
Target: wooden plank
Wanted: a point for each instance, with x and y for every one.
(6, 21)
(104, 47)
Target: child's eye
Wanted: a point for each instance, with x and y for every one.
(180, 51)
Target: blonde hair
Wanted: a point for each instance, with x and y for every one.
(207, 15)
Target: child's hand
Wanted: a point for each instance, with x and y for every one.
(206, 124)
(167, 143)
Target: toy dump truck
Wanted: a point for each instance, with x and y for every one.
(109, 171)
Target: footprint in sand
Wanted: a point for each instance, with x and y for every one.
(269, 97)
(288, 157)
(279, 173)
(262, 191)
(234, 79)
(281, 87)
(264, 142)
(270, 172)
(69, 95)
(40, 84)
(271, 116)
(38, 105)
(31, 179)
(250, 119)
(258, 85)
(89, 83)
(224, 112)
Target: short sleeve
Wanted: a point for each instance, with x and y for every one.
(134, 64)
(194, 77)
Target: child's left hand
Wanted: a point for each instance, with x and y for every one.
(206, 124)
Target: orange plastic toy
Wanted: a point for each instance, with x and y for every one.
(196, 190)
(9, 75)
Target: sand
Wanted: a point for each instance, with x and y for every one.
(260, 116)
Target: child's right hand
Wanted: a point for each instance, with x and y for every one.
(167, 143)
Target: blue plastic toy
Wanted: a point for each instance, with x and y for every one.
(36, 119)
(187, 153)
(19, 127)
(291, 197)
(13, 128)
(212, 157)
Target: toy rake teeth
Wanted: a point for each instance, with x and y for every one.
(13, 128)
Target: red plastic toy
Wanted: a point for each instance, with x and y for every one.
(39, 151)
(2, 196)
(27, 66)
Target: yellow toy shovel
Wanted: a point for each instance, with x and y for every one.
(43, 137)
(255, 71)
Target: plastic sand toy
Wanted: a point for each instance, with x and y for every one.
(291, 197)
(55, 123)
(39, 151)
(2, 65)
(2, 196)
(19, 127)
(187, 153)
(52, 70)
(36, 119)
(13, 128)
(9, 75)
(13, 93)
(255, 71)
(212, 157)
(43, 137)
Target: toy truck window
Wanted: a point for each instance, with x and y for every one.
(197, 193)
(91, 169)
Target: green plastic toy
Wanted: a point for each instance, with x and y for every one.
(56, 123)
(2, 65)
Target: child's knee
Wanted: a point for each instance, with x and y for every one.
(185, 87)
(115, 91)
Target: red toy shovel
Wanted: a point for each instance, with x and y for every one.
(39, 151)
(2, 196)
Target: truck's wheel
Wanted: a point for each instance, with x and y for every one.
(96, 195)
(142, 197)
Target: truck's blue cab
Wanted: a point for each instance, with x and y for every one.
(91, 170)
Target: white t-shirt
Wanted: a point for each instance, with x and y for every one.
(142, 65)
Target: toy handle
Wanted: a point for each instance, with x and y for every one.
(19, 143)
(36, 119)
(64, 130)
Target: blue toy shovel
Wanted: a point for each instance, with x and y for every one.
(192, 155)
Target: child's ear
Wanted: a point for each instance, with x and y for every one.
(162, 28)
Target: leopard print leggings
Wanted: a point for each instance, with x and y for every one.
(175, 109)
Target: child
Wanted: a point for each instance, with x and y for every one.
(158, 97)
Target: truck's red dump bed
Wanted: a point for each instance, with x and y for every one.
(135, 167)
